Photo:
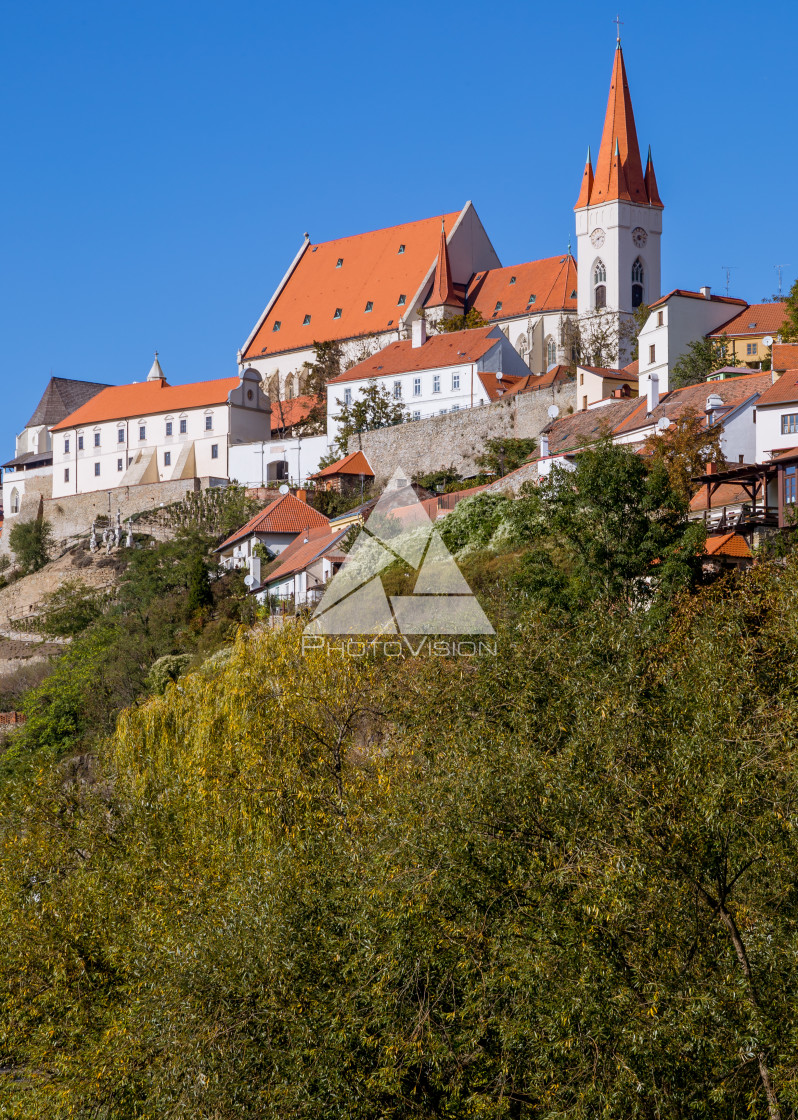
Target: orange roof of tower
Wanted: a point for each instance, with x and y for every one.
(443, 293)
(651, 182)
(587, 184)
(619, 138)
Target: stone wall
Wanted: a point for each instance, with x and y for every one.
(454, 440)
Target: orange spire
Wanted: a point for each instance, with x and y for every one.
(619, 137)
(443, 294)
(651, 183)
(587, 185)
(617, 186)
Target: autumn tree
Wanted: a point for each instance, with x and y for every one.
(468, 321)
(684, 449)
(373, 407)
(789, 330)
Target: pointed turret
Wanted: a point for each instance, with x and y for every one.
(156, 373)
(651, 183)
(587, 184)
(619, 137)
(443, 293)
(618, 187)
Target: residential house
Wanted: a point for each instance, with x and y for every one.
(777, 417)
(752, 332)
(346, 475)
(151, 432)
(305, 567)
(594, 384)
(273, 529)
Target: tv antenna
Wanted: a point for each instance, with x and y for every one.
(728, 269)
(780, 268)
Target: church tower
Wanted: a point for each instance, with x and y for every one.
(618, 218)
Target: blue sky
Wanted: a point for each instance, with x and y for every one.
(162, 160)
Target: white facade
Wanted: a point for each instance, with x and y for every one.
(776, 429)
(675, 322)
(35, 442)
(285, 460)
(159, 446)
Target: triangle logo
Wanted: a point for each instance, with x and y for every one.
(399, 528)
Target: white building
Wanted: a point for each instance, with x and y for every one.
(435, 374)
(151, 432)
(777, 417)
(27, 478)
(274, 528)
(305, 567)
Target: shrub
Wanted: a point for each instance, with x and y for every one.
(31, 542)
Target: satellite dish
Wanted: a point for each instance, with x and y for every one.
(250, 580)
(554, 412)
(663, 424)
(284, 488)
(767, 340)
(499, 375)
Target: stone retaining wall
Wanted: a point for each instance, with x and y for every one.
(454, 440)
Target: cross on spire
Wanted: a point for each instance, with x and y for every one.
(618, 25)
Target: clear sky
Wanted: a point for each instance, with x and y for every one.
(163, 159)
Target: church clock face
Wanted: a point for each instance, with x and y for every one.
(597, 238)
(639, 236)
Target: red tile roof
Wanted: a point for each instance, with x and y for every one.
(578, 429)
(373, 270)
(551, 281)
(693, 399)
(756, 319)
(587, 184)
(684, 293)
(303, 551)
(614, 374)
(727, 544)
(443, 293)
(783, 391)
(439, 351)
(727, 494)
(785, 356)
(619, 171)
(354, 463)
(123, 402)
(285, 514)
(505, 386)
(285, 414)
(551, 377)
(633, 369)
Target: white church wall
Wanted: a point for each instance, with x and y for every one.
(257, 463)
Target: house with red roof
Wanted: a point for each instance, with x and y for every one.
(777, 416)
(751, 333)
(151, 431)
(304, 568)
(274, 528)
(432, 374)
(350, 473)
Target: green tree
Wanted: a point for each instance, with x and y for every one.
(504, 455)
(469, 321)
(702, 357)
(199, 595)
(31, 542)
(789, 331)
(70, 609)
(373, 407)
(684, 449)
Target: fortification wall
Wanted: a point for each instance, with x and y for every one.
(454, 440)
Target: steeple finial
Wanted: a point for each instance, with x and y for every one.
(156, 373)
(618, 25)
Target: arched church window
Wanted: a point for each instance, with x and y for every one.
(290, 392)
(551, 353)
(522, 346)
(637, 283)
(600, 285)
(15, 501)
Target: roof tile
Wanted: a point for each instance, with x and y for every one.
(285, 514)
(121, 402)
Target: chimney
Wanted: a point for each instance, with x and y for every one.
(652, 392)
(544, 446)
(419, 333)
(302, 495)
(705, 292)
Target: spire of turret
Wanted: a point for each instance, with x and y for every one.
(619, 138)
(651, 182)
(156, 373)
(587, 184)
(443, 294)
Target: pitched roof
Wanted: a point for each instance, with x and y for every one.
(123, 402)
(727, 544)
(587, 184)
(784, 356)
(302, 552)
(354, 463)
(727, 494)
(756, 319)
(614, 374)
(439, 351)
(685, 293)
(60, 397)
(376, 268)
(504, 385)
(549, 378)
(619, 171)
(285, 414)
(443, 293)
(285, 514)
(783, 391)
(693, 399)
(581, 428)
(651, 182)
(633, 369)
(552, 281)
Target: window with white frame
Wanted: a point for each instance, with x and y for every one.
(416, 415)
(15, 498)
(599, 284)
(752, 348)
(397, 390)
(96, 439)
(183, 427)
(66, 446)
(120, 464)
(167, 458)
(416, 386)
(455, 381)
(142, 431)
(551, 353)
(168, 427)
(637, 283)
(347, 397)
(66, 474)
(436, 383)
(214, 450)
(96, 468)
(789, 424)
(120, 435)
(80, 443)
(209, 422)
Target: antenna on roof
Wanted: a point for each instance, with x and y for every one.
(780, 268)
(728, 269)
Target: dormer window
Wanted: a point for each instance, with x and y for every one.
(339, 262)
(498, 307)
(573, 294)
(401, 248)
(531, 300)
(306, 321)
(370, 305)
(401, 301)
(512, 279)
(337, 314)
(277, 325)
